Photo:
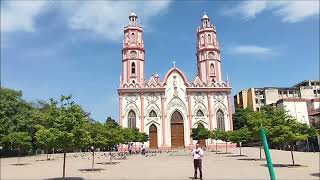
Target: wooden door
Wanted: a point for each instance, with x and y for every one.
(177, 130)
(153, 137)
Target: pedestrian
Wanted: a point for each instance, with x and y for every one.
(143, 149)
(130, 148)
(197, 154)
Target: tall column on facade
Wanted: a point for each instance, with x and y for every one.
(230, 111)
(209, 109)
(120, 109)
(190, 118)
(142, 112)
(163, 121)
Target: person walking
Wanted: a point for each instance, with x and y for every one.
(130, 148)
(197, 154)
(143, 148)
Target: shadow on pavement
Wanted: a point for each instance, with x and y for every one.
(91, 170)
(109, 163)
(315, 174)
(236, 155)
(21, 164)
(67, 178)
(224, 153)
(251, 159)
(284, 165)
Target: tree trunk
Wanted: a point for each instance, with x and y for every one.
(226, 147)
(92, 160)
(260, 156)
(64, 164)
(47, 154)
(292, 155)
(110, 155)
(216, 146)
(18, 156)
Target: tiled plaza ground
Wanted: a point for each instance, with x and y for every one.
(166, 166)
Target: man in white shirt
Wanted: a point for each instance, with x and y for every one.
(197, 154)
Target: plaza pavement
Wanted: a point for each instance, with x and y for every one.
(166, 166)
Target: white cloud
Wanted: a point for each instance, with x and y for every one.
(289, 11)
(20, 15)
(103, 18)
(107, 18)
(250, 50)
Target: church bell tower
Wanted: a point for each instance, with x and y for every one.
(133, 52)
(208, 52)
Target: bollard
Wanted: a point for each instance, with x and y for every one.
(267, 153)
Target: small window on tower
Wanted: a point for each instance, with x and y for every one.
(212, 70)
(202, 40)
(133, 68)
(209, 38)
(133, 37)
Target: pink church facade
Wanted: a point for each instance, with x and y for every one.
(167, 109)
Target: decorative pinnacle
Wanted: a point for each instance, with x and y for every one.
(174, 63)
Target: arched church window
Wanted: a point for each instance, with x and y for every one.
(133, 38)
(133, 68)
(152, 113)
(202, 40)
(220, 120)
(200, 113)
(131, 119)
(209, 38)
(212, 70)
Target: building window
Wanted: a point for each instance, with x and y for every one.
(212, 70)
(152, 113)
(209, 38)
(200, 113)
(133, 68)
(202, 56)
(133, 38)
(131, 119)
(202, 40)
(220, 120)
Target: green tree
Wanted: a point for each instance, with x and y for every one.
(200, 133)
(225, 137)
(216, 135)
(15, 113)
(240, 136)
(112, 122)
(19, 141)
(240, 118)
(66, 120)
(46, 139)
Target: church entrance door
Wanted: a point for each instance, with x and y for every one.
(177, 130)
(153, 137)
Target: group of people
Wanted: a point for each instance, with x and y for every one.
(143, 148)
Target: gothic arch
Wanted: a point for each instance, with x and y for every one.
(176, 103)
(131, 106)
(200, 106)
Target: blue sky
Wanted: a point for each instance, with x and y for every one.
(68, 47)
